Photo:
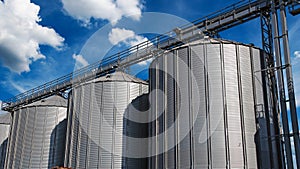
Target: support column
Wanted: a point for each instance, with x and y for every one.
(287, 141)
(290, 84)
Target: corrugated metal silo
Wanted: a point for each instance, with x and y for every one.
(5, 120)
(96, 120)
(37, 138)
(207, 102)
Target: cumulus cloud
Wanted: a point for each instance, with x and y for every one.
(21, 35)
(111, 10)
(80, 61)
(129, 38)
(297, 54)
(117, 35)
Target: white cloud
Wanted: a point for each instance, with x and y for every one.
(297, 54)
(21, 35)
(80, 61)
(129, 38)
(111, 10)
(145, 62)
(117, 35)
(20, 88)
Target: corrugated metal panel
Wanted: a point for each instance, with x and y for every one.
(248, 104)
(223, 133)
(216, 108)
(183, 86)
(100, 107)
(39, 133)
(200, 127)
(233, 107)
(260, 112)
(154, 114)
(5, 120)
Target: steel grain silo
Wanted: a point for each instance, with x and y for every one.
(206, 110)
(96, 120)
(37, 138)
(5, 120)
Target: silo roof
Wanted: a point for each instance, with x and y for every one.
(5, 118)
(208, 40)
(120, 77)
(54, 100)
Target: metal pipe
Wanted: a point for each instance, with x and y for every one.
(289, 78)
(285, 123)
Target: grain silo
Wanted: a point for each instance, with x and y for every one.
(96, 120)
(37, 138)
(5, 120)
(206, 108)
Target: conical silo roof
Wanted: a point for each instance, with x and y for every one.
(54, 100)
(118, 76)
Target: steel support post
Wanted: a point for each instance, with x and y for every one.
(267, 43)
(285, 123)
(290, 84)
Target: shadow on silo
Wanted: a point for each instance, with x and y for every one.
(57, 145)
(134, 129)
(3, 148)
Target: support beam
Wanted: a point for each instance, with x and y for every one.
(285, 123)
(275, 142)
(290, 83)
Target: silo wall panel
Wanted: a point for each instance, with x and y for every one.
(234, 120)
(38, 131)
(200, 129)
(262, 134)
(99, 107)
(216, 106)
(5, 121)
(248, 103)
(222, 131)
